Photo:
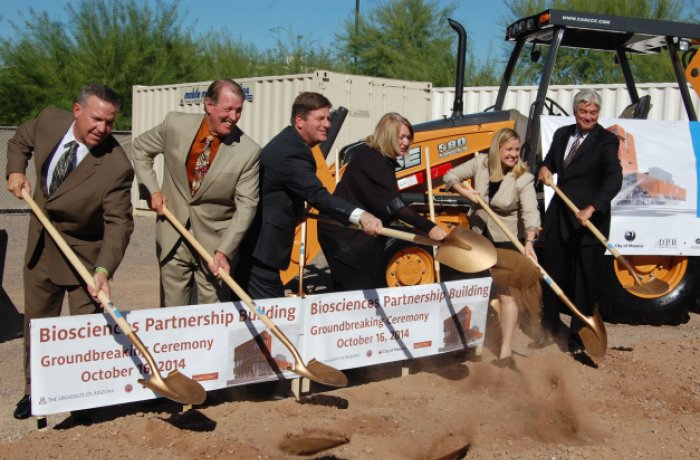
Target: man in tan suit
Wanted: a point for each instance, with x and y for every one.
(215, 198)
(84, 186)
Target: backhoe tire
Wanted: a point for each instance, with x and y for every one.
(619, 306)
(405, 264)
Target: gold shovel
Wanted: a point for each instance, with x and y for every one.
(652, 286)
(175, 386)
(593, 334)
(313, 370)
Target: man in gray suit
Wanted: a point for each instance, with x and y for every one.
(84, 187)
(210, 183)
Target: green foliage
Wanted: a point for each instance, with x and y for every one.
(588, 66)
(123, 43)
(406, 39)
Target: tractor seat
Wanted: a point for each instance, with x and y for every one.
(638, 110)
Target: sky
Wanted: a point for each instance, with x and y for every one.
(262, 21)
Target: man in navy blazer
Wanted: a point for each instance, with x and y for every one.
(288, 179)
(591, 175)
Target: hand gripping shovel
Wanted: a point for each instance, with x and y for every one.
(593, 334)
(175, 386)
(652, 286)
(463, 250)
(314, 370)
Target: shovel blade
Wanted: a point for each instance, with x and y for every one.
(594, 337)
(466, 251)
(176, 387)
(321, 373)
(653, 286)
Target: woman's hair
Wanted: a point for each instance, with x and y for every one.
(385, 138)
(502, 137)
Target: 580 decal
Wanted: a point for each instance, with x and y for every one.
(452, 147)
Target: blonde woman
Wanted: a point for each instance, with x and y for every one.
(504, 182)
(369, 182)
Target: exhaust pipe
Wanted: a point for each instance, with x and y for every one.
(458, 104)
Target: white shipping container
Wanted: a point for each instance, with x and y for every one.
(665, 99)
(270, 99)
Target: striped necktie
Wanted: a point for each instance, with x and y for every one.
(572, 150)
(65, 165)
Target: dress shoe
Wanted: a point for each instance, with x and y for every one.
(24, 408)
(505, 363)
(574, 344)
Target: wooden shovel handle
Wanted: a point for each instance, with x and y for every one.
(89, 280)
(388, 232)
(545, 276)
(245, 298)
(597, 233)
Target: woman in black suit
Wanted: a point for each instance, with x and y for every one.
(369, 182)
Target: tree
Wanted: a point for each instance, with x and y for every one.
(118, 43)
(406, 39)
(576, 66)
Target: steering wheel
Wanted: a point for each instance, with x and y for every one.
(550, 104)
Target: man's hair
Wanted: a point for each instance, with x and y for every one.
(100, 91)
(501, 137)
(308, 102)
(385, 138)
(588, 96)
(217, 86)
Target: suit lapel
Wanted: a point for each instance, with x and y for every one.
(81, 173)
(585, 146)
(563, 143)
(187, 132)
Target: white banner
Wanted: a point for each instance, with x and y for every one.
(656, 211)
(81, 362)
(362, 328)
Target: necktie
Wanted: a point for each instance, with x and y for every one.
(202, 166)
(64, 166)
(572, 150)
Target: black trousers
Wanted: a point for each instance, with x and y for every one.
(264, 281)
(576, 269)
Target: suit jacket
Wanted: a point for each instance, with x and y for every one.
(288, 172)
(515, 202)
(224, 206)
(594, 176)
(92, 206)
(369, 182)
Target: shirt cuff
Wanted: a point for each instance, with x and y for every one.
(355, 216)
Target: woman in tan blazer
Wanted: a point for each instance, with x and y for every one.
(503, 181)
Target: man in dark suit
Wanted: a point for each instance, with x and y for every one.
(84, 186)
(585, 158)
(288, 179)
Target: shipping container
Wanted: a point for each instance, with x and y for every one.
(666, 102)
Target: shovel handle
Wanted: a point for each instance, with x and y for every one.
(545, 276)
(245, 298)
(388, 232)
(597, 233)
(89, 280)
